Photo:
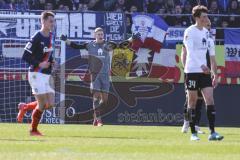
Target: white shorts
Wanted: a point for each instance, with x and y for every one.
(40, 83)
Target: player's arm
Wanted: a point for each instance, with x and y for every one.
(112, 45)
(125, 44)
(72, 44)
(28, 55)
(213, 63)
(183, 55)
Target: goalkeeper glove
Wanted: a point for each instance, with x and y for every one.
(112, 44)
(136, 36)
(124, 44)
(63, 37)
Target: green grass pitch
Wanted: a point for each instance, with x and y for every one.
(85, 142)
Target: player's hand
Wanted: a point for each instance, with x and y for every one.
(44, 64)
(136, 36)
(205, 69)
(55, 65)
(63, 37)
(215, 81)
(124, 44)
(112, 45)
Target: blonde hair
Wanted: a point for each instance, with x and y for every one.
(98, 29)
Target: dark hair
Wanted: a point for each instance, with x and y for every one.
(198, 10)
(46, 14)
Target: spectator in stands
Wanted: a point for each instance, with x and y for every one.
(96, 5)
(82, 7)
(65, 5)
(133, 9)
(233, 10)
(233, 7)
(169, 5)
(20, 5)
(170, 17)
(137, 3)
(187, 8)
(109, 5)
(152, 6)
(75, 4)
(37, 5)
(121, 6)
(214, 7)
(128, 26)
(6, 4)
(63, 8)
(180, 21)
(162, 10)
(223, 5)
(202, 2)
(48, 6)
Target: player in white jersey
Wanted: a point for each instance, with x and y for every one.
(200, 99)
(197, 43)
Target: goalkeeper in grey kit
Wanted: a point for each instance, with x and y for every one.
(99, 67)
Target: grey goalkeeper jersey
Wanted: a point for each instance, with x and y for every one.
(99, 58)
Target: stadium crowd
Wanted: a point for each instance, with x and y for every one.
(167, 8)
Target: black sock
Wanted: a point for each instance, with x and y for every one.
(211, 117)
(186, 117)
(192, 120)
(198, 111)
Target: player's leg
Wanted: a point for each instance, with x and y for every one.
(207, 92)
(97, 102)
(199, 105)
(50, 93)
(50, 100)
(105, 85)
(192, 94)
(191, 110)
(44, 94)
(23, 108)
(37, 114)
(186, 120)
(186, 117)
(96, 91)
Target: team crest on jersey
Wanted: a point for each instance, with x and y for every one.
(204, 42)
(100, 52)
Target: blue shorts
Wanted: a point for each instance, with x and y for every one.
(100, 82)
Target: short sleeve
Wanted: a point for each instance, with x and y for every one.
(188, 39)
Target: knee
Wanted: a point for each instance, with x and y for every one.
(209, 100)
(192, 101)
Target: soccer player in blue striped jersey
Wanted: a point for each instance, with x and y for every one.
(38, 54)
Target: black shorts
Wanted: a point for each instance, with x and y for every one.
(196, 81)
